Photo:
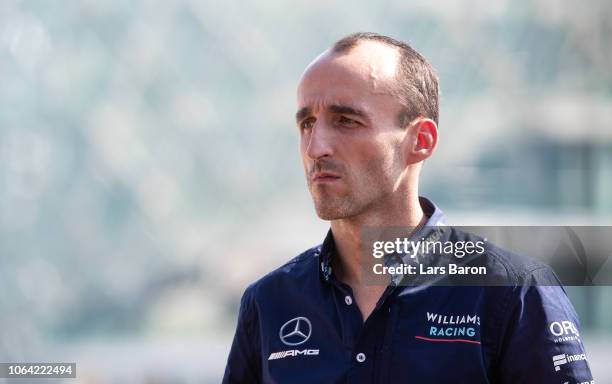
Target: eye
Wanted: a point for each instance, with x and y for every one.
(307, 124)
(343, 120)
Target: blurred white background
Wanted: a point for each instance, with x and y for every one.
(149, 163)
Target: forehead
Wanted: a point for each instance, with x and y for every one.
(364, 74)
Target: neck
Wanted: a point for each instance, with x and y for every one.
(347, 234)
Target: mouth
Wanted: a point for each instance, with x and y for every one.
(324, 177)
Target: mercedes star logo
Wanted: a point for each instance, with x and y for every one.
(295, 331)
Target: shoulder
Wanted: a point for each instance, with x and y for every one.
(300, 271)
(505, 266)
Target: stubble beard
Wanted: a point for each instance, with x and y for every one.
(365, 188)
(330, 205)
(357, 199)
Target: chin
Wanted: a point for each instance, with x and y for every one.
(333, 211)
(326, 215)
(334, 206)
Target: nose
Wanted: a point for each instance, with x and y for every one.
(318, 141)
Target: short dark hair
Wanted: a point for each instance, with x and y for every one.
(417, 87)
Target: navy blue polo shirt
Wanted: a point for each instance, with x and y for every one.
(299, 324)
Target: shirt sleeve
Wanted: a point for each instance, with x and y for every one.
(243, 363)
(542, 342)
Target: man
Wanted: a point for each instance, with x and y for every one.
(367, 118)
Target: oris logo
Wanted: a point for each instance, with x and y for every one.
(563, 328)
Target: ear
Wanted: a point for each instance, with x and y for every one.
(424, 135)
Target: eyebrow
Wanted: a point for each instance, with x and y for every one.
(302, 113)
(335, 108)
(345, 109)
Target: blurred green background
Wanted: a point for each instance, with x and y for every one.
(149, 165)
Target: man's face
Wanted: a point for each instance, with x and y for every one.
(350, 140)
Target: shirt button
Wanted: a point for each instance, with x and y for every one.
(348, 300)
(360, 357)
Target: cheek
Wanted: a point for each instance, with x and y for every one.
(305, 163)
(380, 166)
(372, 163)
(392, 148)
(382, 152)
(303, 150)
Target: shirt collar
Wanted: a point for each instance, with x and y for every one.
(435, 217)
